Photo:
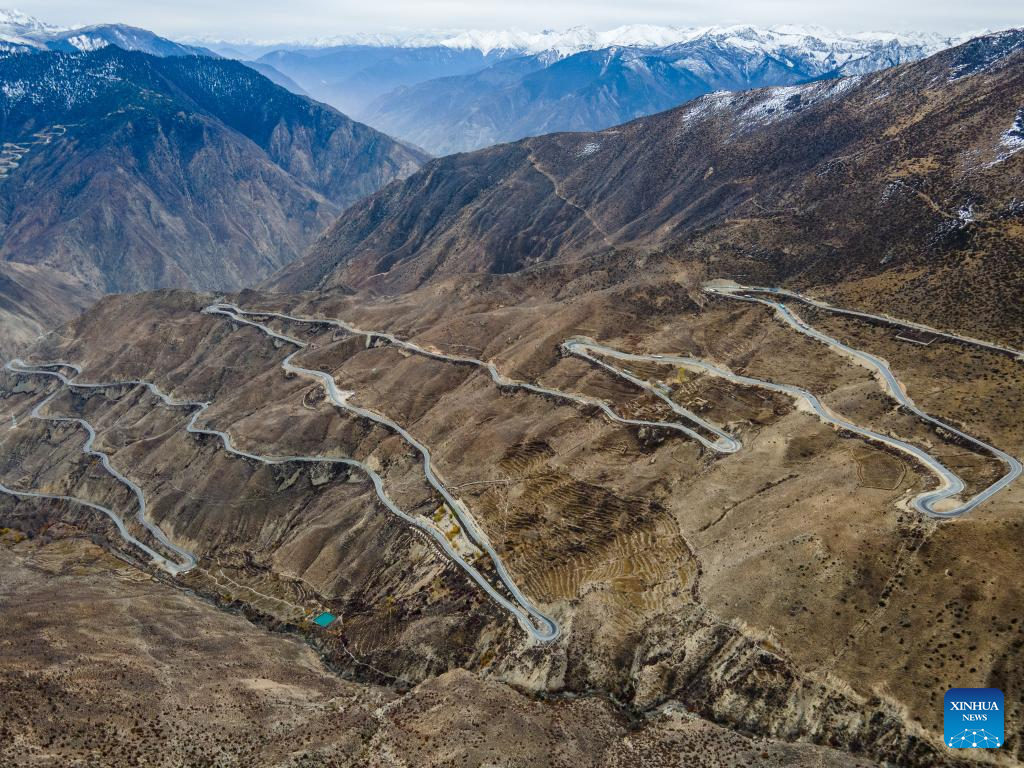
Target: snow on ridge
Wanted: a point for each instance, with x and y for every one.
(63, 83)
(778, 103)
(17, 29)
(581, 38)
(1012, 141)
(987, 52)
(14, 21)
(704, 106)
(87, 43)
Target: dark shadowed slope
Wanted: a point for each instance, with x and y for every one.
(904, 180)
(135, 172)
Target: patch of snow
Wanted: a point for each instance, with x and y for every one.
(781, 102)
(891, 190)
(87, 43)
(14, 90)
(703, 107)
(588, 149)
(1014, 138)
(1012, 141)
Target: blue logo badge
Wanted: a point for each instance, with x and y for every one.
(974, 718)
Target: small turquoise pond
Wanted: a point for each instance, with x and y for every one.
(324, 619)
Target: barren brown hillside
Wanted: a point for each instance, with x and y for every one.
(900, 189)
(533, 483)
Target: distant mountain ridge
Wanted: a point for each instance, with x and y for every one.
(458, 91)
(597, 89)
(22, 33)
(579, 38)
(905, 179)
(350, 78)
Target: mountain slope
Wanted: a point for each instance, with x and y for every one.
(594, 89)
(277, 77)
(770, 591)
(32, 297)
(137, 172)
(908, 173)
(25, 34)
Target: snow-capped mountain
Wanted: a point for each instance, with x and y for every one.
(14, 22)
(127, 38)
(455, 90)
(22, 33)
(17, 30)
(596, 88)
(581, 38)
(401, 81)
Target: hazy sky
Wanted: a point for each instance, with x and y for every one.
(292, 19)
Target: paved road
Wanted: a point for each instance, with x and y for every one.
(928, 503)
(950, 484)
(187, 559)
(725, 289)
(11, 152)
(192, 426)
(725, 443)
(539, 625)
(155, 556)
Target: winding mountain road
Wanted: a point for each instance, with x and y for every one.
(941, 502)
(540, 626)
(732, 289)
(950, 484)
(187, 559)
(546, 632)
(725, 443)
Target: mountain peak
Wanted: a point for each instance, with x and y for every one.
(12, 17)
(581, 38)
(18, 29)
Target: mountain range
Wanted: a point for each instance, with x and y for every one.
(894, 172)
(130, 172)
(595, 89)
(461, 91)
(512, 464)
(22, 33)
